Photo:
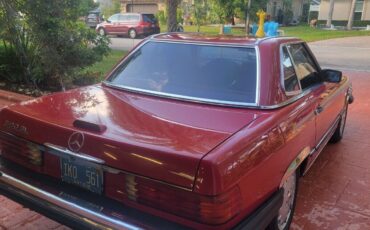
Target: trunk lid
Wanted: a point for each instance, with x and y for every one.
(159, 138)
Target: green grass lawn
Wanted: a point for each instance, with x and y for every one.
(103, 67)
(304, 32)
(312, 34)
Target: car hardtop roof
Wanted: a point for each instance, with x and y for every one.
(126, 14)
(135, 13)
(191, 37)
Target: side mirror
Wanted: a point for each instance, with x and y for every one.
(330, 75)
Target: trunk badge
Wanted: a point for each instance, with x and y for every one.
(76, 141)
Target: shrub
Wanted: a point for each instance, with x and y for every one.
(50, 43)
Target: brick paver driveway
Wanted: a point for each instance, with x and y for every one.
(335, 194)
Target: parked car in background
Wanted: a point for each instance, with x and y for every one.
(130, 24)
(93, 19)
(187, 131)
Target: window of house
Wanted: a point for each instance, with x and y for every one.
(358, 10)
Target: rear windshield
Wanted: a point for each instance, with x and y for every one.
(202, 72)
(149, 18)
(92, 16)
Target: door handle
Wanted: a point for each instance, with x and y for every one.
(319, 109)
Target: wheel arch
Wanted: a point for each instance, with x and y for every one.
(101, 28)
(298, 163)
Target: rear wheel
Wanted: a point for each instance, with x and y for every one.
(102, 31)
(132, 33)
(338, 134)
(286, 211)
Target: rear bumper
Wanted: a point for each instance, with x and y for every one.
(264, 214)
(60, 203)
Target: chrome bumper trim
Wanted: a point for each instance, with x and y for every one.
(74, 211)
(71, 154)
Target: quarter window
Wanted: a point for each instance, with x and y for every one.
(291, 83)
(305, 67)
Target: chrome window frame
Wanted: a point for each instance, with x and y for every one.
(282, 80)
(254, 104)
(303, 92)
(316, 65)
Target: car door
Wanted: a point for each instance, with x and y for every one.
(299, 124)
(111, 26)
(123, 24)
(328, 107)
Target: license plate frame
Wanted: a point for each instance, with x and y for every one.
(88, 177)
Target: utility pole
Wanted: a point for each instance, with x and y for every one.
(247, 19)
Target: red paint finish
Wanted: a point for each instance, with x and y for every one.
(144, 135)
(207, 151)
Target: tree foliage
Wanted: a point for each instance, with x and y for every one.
(199, 12)
(225, 10)
(110, 9)
(49, 39)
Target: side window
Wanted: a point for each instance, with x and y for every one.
(123, 18)
(135, 18)
(305, 67)
(113, 18)
(291, 83)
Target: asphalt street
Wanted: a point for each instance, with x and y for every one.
(118, 43)
(352, 53)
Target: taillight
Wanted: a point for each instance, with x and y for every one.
(205, 209)
(145, 24)
(21, 151)
(34, 154)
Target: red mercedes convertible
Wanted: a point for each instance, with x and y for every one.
(187, 131)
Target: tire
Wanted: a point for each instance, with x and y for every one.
(102, 31)
(338, 134)
(286, 211)
(132, 33)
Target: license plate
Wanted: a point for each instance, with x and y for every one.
(87, 177)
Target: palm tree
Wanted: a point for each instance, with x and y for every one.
(351, 15)
(330, 14)
(172, 15)
(247, 19)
